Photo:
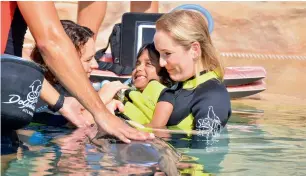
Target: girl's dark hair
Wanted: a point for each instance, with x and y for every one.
(154, 55)
(79, 35)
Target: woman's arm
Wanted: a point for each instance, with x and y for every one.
(161, 114)
(71, 108)
(48, 93)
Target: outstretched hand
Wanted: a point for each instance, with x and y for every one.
(74, 112)
(79, 116)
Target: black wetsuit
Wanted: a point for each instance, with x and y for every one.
(14, 45)
(209, 103)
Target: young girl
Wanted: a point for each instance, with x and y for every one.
(147, 68)
(147, 75)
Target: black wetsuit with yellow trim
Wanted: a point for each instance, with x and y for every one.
(204, 101)
(201, 103)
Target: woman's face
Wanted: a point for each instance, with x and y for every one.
(88, 61)
(146, 69)
(175, 58)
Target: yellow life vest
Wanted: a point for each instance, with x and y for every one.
(141, 106)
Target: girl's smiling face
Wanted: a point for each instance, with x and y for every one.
(146, 69)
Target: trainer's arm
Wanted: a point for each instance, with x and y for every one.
(59, 53)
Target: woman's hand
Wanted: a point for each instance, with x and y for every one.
(79, 116)
(109, 90)
(74, 112)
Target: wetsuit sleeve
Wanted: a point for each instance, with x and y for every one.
(211, 106)
(167, 95)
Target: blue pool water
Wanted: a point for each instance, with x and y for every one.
(262, 138)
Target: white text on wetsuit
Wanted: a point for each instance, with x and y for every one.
(32, 98)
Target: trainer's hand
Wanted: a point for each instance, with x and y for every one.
(74, 112)
(109, 90)
(117, 127)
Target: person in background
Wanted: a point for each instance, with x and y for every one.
(96, 10)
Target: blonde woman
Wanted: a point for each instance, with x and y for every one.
(200, 100)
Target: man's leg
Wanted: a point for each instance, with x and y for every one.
(91, 14)
(144, 6)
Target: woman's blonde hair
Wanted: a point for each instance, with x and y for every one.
(186, 27)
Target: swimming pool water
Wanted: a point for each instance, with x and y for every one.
(262, 138)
